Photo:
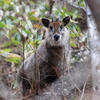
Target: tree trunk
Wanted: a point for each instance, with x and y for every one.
(94, 7)
(94, 40)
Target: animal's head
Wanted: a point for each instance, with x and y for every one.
(56, 33)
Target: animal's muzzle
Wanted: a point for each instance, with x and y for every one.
(56, 37)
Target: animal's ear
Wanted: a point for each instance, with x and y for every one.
(66, 20)
(45, 22)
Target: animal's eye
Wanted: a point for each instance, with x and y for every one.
(61, 27)
(51, 28)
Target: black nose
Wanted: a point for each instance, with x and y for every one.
(56, 37)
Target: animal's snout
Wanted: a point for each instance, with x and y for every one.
(56, 37)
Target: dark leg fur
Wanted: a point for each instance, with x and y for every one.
(51, 78)
(24, 84)
(48, 77)
(25, 87)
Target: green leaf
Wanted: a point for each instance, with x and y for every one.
(13, 60)
(10, 57)
(31, 13)
(6, 44)
(34, 19)
(26, 31)
(1, 3)
(14, 84)
(72, 45)
(11, 17)
(14, 42)
(74, 35)
(18, 37)
(78, 28)
(6, 1)
(2, 25)
(81, 3)
(12, 31)
(36, 43)
(5, 50)
(75, 14)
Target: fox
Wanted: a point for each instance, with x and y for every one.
(45, 65)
